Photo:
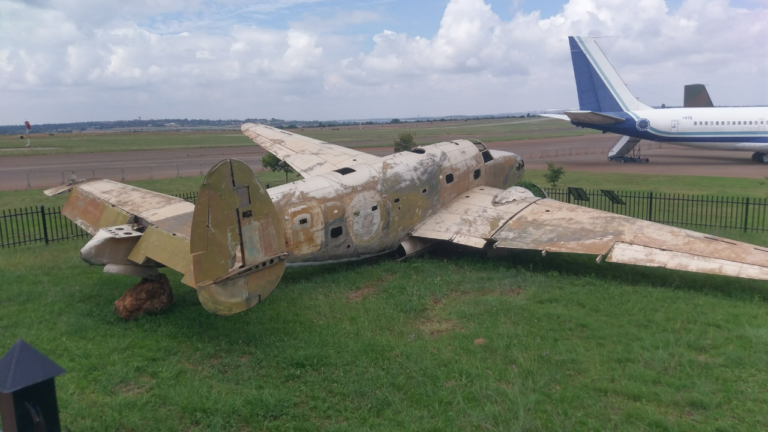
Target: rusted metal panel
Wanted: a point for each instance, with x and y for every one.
(472, 214)
(165, 248)
(92, 213)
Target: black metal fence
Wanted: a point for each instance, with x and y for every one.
(689, 211)
(47, 224)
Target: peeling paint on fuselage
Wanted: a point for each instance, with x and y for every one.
(340, 217)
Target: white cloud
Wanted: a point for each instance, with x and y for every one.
(86, 59)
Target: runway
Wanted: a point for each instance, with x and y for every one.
(583, 153)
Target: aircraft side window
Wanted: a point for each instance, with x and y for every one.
(477, 173)
(336, 232)
(750, 122)
(448, 178)
(694, 123)
(717, 123)
(706, 123)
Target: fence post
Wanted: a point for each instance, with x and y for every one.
(177, 171)
(45, 224)
(650, 205)
(28, 184)
(746, 214)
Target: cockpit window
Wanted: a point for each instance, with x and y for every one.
(487, 157)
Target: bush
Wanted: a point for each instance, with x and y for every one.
(533, 187)
(405, 141)
(554, 174)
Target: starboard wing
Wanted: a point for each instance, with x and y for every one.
(513, 219)
(307, 156)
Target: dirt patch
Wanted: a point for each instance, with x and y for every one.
(435, 327)
(134, 388)
(368, 289)
(359, 294)
(480, 341)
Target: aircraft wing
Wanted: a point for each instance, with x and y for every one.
(513, 219)
(307, 156)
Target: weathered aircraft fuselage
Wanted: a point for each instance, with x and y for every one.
(369, 209)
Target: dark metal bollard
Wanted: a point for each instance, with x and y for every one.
(27, 391)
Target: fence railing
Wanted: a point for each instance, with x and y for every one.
(46, 224)
(690, 211)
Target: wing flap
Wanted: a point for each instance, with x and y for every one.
(307, 156)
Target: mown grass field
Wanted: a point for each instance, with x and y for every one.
(444, 342)
(368, 136)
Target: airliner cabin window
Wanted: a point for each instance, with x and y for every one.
(694, 123)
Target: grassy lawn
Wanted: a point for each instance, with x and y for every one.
(437, 343)
(368, 136)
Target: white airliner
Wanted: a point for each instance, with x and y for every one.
(606, 104)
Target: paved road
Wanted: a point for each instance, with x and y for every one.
(584, 153)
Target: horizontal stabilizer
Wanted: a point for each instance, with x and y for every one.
(556, 116)
(592, 117)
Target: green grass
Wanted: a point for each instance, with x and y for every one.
(110, 142)
(696, 185)
(369, 136)
(569, 345)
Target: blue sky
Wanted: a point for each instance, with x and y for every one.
(70, 60)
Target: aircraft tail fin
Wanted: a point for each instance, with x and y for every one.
(599, 86)
(237, 244)
(697, 96)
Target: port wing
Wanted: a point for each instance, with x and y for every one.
(308, 156)
(513, 219)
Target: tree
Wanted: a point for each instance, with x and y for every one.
(554, 174)
(395, 120)
(272, 163)
(405, 141)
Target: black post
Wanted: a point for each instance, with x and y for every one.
(45, 224)
(650, 205)
(746, 214)
(27, 390)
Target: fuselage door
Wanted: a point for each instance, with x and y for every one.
(673, 128)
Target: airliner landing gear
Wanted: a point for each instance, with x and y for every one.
(760, 157)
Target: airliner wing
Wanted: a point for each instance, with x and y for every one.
(513, 219)
(308, 156)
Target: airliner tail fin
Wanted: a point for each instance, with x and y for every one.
(599, 86)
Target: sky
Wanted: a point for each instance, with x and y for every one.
(92, 60)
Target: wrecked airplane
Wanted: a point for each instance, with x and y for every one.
(234, 244)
